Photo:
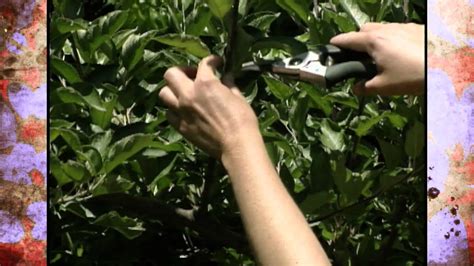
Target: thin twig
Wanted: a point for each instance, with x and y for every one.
(76, 56)
(352, 152)
(211, 181)
(365, 200)
(316, 11)
(229, 58)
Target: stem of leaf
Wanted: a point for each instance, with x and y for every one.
(352, 152)
(76, 55)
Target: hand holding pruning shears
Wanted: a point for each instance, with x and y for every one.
(398, 50)
(390, 57)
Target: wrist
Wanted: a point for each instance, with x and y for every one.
(240, 146)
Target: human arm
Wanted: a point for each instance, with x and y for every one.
(217, 119)
(399, 53)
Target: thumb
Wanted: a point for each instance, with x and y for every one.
(370, 87)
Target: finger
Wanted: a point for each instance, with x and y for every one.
(357, 41)
(359, 88)
(178, 80)
(207, 67)
(375, 86)
(169, 98)
(370, 26)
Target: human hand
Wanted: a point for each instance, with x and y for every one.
(212, 115)
(399, 53)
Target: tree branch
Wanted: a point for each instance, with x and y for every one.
(211, 181)
(171, 216)
(365, 200)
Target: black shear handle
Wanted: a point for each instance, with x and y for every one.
(352, 69)
(343, 64)
(330, 54)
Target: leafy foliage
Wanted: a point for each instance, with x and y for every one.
(127, 189)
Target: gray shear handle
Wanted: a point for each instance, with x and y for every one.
(352, 69)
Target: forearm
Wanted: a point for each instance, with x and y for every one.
(276, 227)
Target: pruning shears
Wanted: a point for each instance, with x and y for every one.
(324, 66)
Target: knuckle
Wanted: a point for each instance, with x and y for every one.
(365, 27)
(206, 83)
(183, 127)
(374, 39)
(186, 101)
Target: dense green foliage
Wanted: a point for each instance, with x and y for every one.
(127, 189)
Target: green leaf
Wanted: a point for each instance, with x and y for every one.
(126, 148)
(350, 184)
(343, 98)
(261, 20)
(133, 48)
(65, 70)
(60, 123)
(330, 138)
(76, 171)
(219, 8)
(345, 23)
(396, 120)
(112, 22)
(278, 88)
(57, 170)
(113, 184)
(415, 139)
(78, 209)
(352, 8)
(70, 8)
(163, 173)
(92, 157)
(65, 25)
(392, 177)
(70, 95)
(190, 44)
(318, 98)
(132, 51)
(320, 170)
(101, 111)
(199, 20)
(101, 142)
(393, 154)
(298, 114)
(288, 44)
(128, 227)
(296, 8)
(177, 147)
(272, 152)
(362, 125)
(69, 136)
(320, 31)
(314, 201)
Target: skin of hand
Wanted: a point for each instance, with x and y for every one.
(215, 117)
(398, 50)
(205, 111)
